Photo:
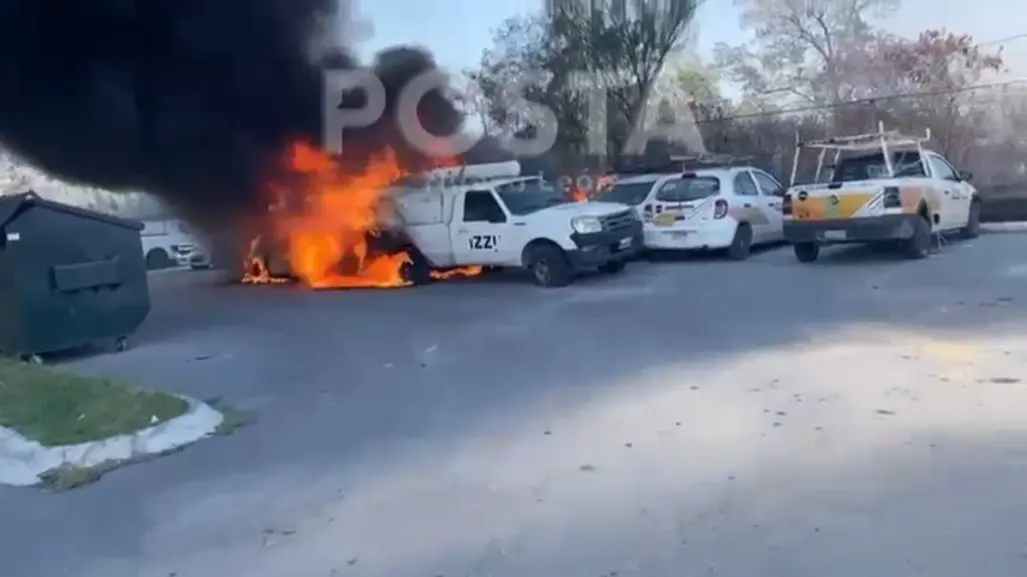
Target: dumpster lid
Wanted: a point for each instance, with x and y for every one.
(14, 204)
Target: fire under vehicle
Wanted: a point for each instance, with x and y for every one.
(461, 220)
(889, 189)
(489, 216)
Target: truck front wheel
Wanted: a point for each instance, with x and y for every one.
(973, 221)
(548, 265)
(418, 271)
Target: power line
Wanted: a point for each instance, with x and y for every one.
(868, 100)
(871, 100)
(943, 59)
(1003, 40)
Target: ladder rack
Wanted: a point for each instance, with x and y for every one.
(885, 141)
(713, 160)
(882, 139)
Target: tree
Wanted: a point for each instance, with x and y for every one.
(621, 45)
(691, 92)
(935, 73)
(473, 103)
(801, 49)
(523, 46)
(625, 44)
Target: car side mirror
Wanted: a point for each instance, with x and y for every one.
(965, 175)
(497, 218)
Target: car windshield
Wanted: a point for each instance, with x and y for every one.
(525, 197)
(630, 193)
(688, 189)
(872, 166)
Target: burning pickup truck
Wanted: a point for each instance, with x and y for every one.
(382, 228)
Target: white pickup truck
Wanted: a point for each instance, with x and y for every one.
(892, 190)
(506, 221)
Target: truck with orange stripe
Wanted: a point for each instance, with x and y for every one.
(881, 187)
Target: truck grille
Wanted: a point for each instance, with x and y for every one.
(618, 221)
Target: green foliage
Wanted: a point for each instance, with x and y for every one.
(621, 45)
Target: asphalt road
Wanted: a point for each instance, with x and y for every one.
(860, 416)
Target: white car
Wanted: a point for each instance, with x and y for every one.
(167, 243)
(721, 208)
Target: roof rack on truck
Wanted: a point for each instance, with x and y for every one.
(711, 160)
(684, 163)
(462, 175)
(885, 141)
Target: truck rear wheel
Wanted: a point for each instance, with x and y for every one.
(548, 265)
(918, 246)
(806, 251)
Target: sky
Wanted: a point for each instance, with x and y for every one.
(456, 31)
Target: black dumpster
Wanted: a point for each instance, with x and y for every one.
(69, 277)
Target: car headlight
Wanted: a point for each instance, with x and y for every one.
(586, 225)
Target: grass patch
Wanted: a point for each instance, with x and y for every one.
(232, 418)
(55, 407)
(67, 478)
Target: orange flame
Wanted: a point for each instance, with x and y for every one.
(329, 231)
(457, 272)
(333, 226)
(256, 271)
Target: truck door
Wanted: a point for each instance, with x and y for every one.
(771, 196)
(479, 231)
(955, 200)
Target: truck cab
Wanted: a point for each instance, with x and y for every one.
(881, 187)
(511, 222)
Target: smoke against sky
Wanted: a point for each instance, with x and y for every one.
(192, 100)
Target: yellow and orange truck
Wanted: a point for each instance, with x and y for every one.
(881, 187)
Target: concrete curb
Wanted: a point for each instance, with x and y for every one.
(23, 461)
(1020, 226)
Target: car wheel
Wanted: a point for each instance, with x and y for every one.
(549, 267)
(741, 244)
(157, 259)
(806, 251)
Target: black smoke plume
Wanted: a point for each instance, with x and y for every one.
(191, 100)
